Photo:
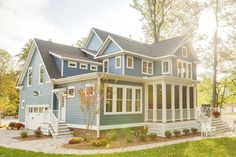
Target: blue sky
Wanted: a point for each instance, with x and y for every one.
(64, 21)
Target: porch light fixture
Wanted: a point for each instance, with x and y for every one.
(35, 93)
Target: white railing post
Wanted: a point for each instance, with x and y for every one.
(163, 101)
(180, 103)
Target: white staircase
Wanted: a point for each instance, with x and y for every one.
(220, 125)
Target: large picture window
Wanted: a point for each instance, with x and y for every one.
(123, 99)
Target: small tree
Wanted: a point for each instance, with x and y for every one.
(90, 103)
(3, 103)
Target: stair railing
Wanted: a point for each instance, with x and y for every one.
(53, 121)
(205, 123)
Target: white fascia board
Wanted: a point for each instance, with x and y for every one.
(87, 52)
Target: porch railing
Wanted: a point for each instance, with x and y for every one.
(192, 113)
(169, 114)
(53, 120)
(185, 114)
(177, 114)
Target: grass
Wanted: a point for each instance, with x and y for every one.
(223, 147)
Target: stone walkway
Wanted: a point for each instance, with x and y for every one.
(55, 145)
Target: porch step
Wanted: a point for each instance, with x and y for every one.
(220, 125)
(63, 131)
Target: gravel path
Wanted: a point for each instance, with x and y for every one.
(55, 145)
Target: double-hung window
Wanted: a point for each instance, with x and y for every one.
(105, 66)
(71, 92)
(41, 74)
(147, 67)
(190, 71)
(119, 100)
(128, 99)
(29, 80)
(165, 67)
(109, 99)
(130, 62)
(118, 62)
(184, 69)
(184, 51)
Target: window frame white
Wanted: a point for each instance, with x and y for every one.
(68, 88)
(89, 85)
(116, 66)
(72, 62)
(30, 68)
(95, 66)
(146, 73)
(184, 49)
(182, 62)
(105, 60)
(83, 64)
(164, 61)
(127, 62)
(114, 99)
(41, 65)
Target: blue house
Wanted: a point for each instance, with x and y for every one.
(153, 85)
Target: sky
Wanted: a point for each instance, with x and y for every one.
(66, 21)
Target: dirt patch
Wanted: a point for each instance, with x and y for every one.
(32, 137)
(121, 143)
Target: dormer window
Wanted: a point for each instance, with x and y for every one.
(41, 73)
(165, 67)
(130, 62)
(83, 66)
(29, 80)
(72, 64)
(118, 62)
(105, 66)
(184, 51)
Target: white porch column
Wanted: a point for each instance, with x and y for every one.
(59, 107)
(195, 100)
(146, 102)
(188, 102)
(163, 101)
(154, 102)
(180, 103)
(173, 101)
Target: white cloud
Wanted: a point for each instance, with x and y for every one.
(22, 20)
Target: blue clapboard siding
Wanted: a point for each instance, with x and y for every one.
(122, 118)
(27, 92)
(112, 68)
(111, 47)
(94, 43)
(157, 68)
(74, 114)
(76, 71)
(58, 63)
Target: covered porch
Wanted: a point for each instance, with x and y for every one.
(170, 100)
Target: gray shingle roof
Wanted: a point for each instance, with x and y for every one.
(159, 49)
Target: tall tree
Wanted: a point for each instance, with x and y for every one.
(24, 52)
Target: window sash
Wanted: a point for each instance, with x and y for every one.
(147, 67)
(41, 74)
(118, 62)
(29, 81)
(130, 62)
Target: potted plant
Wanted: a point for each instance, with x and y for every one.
(216, 114)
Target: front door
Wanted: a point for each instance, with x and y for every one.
(63, 109)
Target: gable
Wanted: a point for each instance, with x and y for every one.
(111, 47)
(190, 56)
(94, 43)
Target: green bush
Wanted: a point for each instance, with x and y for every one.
(153, 136)
(75, 140)
(24, 134)
(168, 134)
(186, 131)
(112, 135)
(12, 125)
(129, 135)
(142, 137)
(194, 130)
(99, 143)
(129, 139)
(177, 133)
(144, 130)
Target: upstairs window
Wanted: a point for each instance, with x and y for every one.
(83, 66)
(93, 67)
(89, 90)
(179, 65)
(189, 71)
(105, 66)
(71, 92)
(184, 70)
(130, 62)
(184, 51)
(118, 62)
(72, 64)
(147, 67)
(29, 81)
(165, 67)
(41, 74)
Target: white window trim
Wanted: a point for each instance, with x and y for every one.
(70, 96)
(147, 67)
(117, 67)
(168, 72)
(41, 65)
(89, 85)
(184, 47)
(71, 62)
(127, 65)
(187, 70)
(95, 66)
(105, 60)
(191, 75)
(83, 64)
(30, 68)
(114, 99)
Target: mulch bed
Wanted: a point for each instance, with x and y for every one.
(32, 137)
(121, 143)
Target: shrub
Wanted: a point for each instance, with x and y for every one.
(194, 130)
(153, 136)
(129, 139)
(177, 133)
(99, 143)
(142, 137)
(38, 132)
(216, 114)
(19, 125)
(24, 134)
(75, 140)
(112, 135)
(12, 125)
(144, 131)
(186, 131)
(129, 135)
(168, 134)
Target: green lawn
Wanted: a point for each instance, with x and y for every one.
(225, 147)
